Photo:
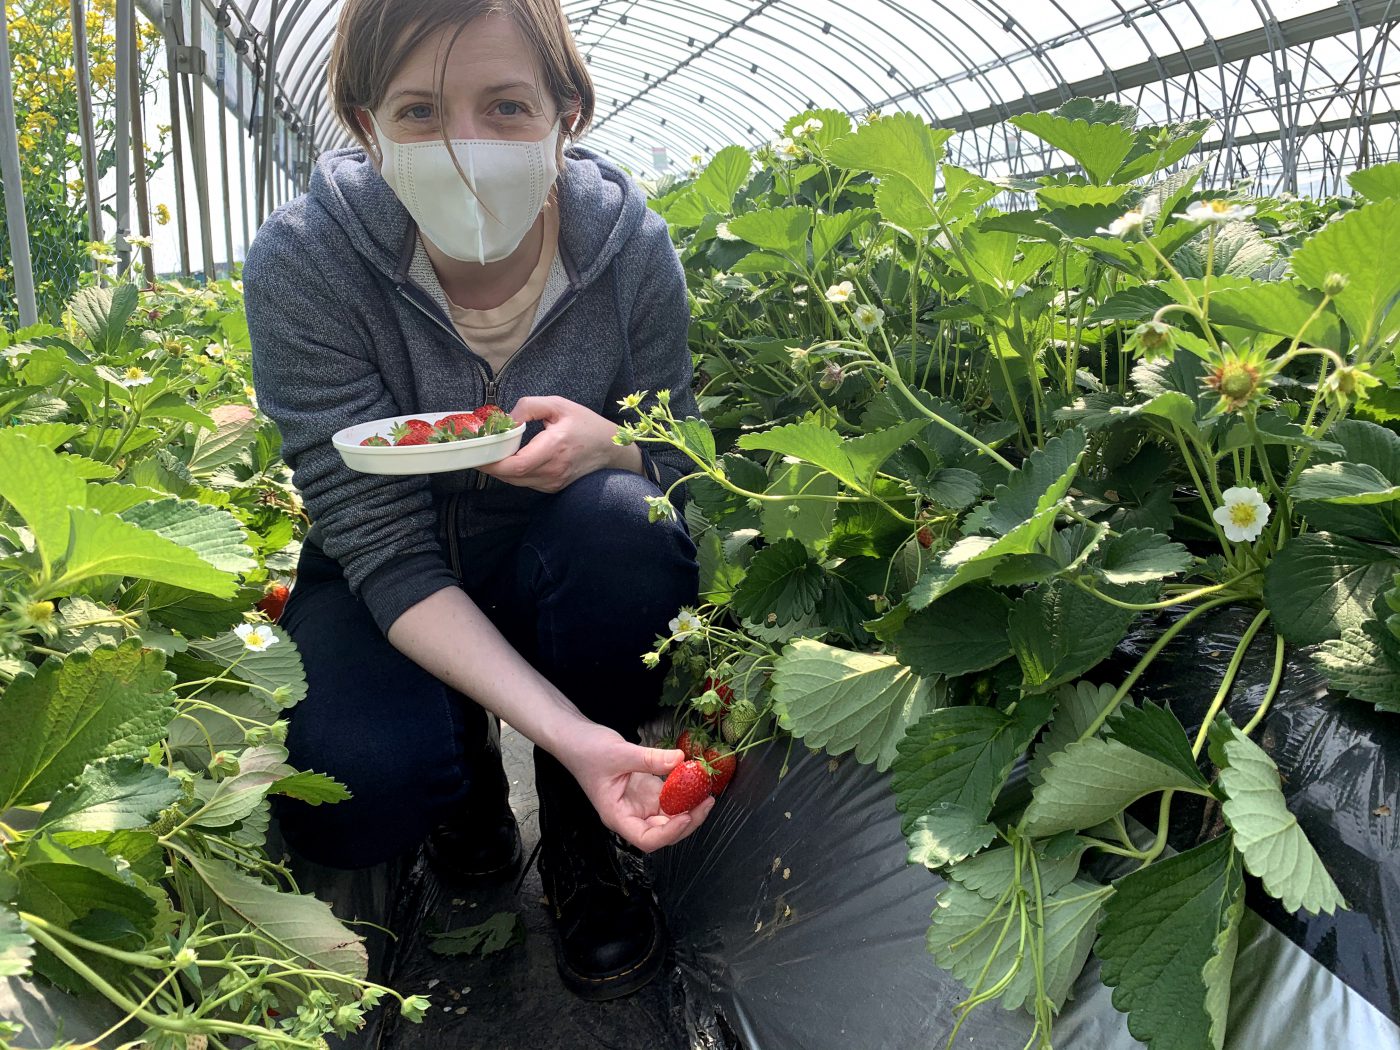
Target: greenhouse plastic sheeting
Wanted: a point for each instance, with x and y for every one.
(796, 915)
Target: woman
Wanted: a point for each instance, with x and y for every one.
(442, 265)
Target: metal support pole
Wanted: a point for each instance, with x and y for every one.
(177, 141)
(225, 174)
(194, 71)
(15, 219)
(125, 34)
(138, 156)
(269, 85)
(78, 15)
(240, 71)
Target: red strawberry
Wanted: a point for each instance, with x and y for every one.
(925, 537)
(723, 691)
(376, 440)
(413, 432)
(692, 742)
(686, 787)
(458, 425)
(493, 420)
(723, 762)
(273, 600)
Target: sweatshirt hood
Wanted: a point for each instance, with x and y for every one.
(600, 207)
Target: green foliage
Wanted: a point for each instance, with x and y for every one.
(1167, 945)
(143, 509)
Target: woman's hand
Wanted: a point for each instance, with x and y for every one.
(622, 781)
(575, 441)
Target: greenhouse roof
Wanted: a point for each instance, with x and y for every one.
(1295, 86)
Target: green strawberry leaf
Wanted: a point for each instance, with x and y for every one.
(1093, 780)
(41, 486)
(900, 146)
(957, 636)
(112, 794)
(16, 946)
(1355, 246)
(1321, 584)
(1042, 481)
(1099, 149)
(1360, 665)
(991, 872)
(296, 924)
(232, 799)
(69, 713)
(1059, 631)
(1348, 484)
(723, 177)
(783, 580)
(849, 701)
(948, 833)
(1154, 731)
(213, 534)
(1141, 556)
(277, 666)
(960, 757)
(311, 788)
(1078, 706)
(966, 933)
(1167, 945)
(1275, 848)
(781, 230)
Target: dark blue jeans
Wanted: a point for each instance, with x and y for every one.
(581, 593)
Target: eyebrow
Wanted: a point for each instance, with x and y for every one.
(493, 89)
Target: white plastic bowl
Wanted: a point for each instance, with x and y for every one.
(420, 459)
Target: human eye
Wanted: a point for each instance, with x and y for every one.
(417, 111)
(507, 108)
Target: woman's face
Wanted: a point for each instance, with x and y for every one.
(493, 88)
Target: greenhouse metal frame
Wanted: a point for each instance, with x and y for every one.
(1299, 93)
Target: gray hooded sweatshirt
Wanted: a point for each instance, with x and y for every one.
(345, 329)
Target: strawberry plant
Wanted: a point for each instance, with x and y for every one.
(144, 512)
(962, 436)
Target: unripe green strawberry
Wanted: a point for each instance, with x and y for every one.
(742, 717)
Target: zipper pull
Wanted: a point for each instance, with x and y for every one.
(490, 391)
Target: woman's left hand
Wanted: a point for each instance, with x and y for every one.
(575, 441)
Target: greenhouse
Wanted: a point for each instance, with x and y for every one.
(535, 524)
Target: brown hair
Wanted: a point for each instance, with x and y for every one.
(374, 38)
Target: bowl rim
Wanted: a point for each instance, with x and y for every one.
(340, 442)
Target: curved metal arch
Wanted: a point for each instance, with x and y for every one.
(1282, 106)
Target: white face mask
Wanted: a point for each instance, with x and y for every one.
(511, 180)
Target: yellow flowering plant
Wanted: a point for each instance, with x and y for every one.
(47, 118)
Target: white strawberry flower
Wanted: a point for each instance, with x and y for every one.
(135, 376)
(807, 127)
(1243, 515)
(1215, 210)
(867, 317)
(256, 637)
(1124, 224)
(685, 623)
(840, 293)
(786, 149)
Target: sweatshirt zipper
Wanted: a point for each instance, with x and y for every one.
(492, 382)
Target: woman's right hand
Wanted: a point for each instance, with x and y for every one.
(621, 780)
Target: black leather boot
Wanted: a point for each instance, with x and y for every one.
(482, 841)
(611, 939)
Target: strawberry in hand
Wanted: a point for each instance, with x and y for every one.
(686, 787)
